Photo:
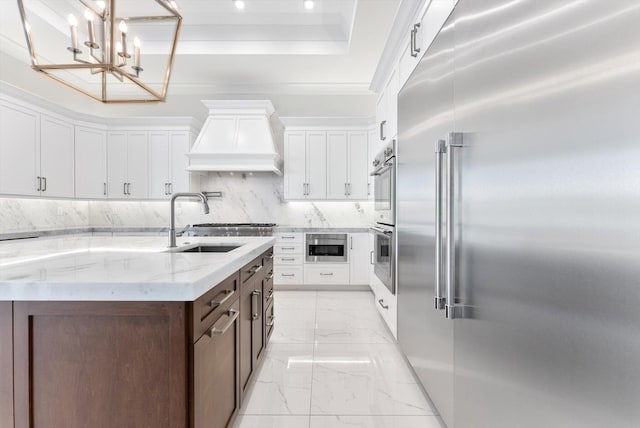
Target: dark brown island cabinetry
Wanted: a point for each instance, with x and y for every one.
(134, 364)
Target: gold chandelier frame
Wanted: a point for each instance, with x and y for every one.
(109, 62)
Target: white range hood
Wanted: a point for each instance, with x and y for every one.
(236, 136)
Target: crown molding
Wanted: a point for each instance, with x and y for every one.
(325, 122)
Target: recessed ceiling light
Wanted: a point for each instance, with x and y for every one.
(239, 3)
(308, 4)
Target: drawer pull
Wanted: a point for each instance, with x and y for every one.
(270, 277)
(270, 296)
(270, 323)
(288, 237)
(287, 259)
(381, 302)
(256, 314)
(269, 257)
(233, 315)
(215, 302)
(326, 274)
(255, 269)
(289, 248)
(288, 274)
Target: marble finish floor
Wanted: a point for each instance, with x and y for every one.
(332, 363)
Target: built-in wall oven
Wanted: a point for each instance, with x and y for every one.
(326, 248)
(384, 185)
(384, 255)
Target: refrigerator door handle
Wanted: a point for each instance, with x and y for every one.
(441, 149)
(455, 141)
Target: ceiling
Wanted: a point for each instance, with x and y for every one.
(271, 46)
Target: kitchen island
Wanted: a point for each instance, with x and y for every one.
(116, 331)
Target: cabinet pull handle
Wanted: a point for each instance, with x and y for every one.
(270, 277)
(288, 237)
(415, 50)
(124, 188)
(129, 189)
(256, 313)
(326, 274)
(227, 295)
(233, 315)
(44, 184)
(269, 257)
(368, 189)
(371, 257)
(104, 189)
(255, 269)
(351, 244)
(287, 259)
(39, 184)
(382, 136)
(381, 303)
(270, 296)
(287, 274)
(166, 188)
(346, 192)
(270, 323)
(170, 188)
(289, 248)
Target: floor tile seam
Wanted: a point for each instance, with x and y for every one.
(313, 356)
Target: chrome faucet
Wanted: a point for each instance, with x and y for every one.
(172, 228)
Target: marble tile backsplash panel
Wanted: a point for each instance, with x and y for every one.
(247, 198)
(25, 215)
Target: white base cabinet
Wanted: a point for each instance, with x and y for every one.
(326, 273)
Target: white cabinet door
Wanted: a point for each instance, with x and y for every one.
(382, 126)
(137, 169)
(158, 164)
(56, 158)
(372, 152)
(116, 165)
(337, 165)
(392, 106)
(91, 163)
(360, 258)
(358, 165)
(295, 165)
(179, 143)
(19, 150)
(316, 165)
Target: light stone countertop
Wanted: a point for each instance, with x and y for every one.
(83, 267)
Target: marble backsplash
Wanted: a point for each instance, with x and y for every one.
(247, 198)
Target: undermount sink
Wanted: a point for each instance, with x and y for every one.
(209, 249)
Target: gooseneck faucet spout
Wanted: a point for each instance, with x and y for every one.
(172, 228)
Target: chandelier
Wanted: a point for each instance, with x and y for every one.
(114, 51)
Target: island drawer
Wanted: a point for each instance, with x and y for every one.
(251, 269)
(213, 303)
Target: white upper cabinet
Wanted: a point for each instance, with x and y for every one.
(57, 158)
(295, 166)
(381, 118)
(90, 163)
(127, 165)
(168, 163)
(316, 165)
(179, 145)
(19, 151)
(337, 165)
(159, 164)
(393, 89)
(357, 156)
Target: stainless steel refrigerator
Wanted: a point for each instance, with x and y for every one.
(525, 115)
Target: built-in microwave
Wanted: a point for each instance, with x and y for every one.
(326, 248)
(384, 174)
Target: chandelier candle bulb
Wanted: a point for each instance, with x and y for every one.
(91, 43)
(73, 24)
(123, 39)
(136, 55)
(121, 59)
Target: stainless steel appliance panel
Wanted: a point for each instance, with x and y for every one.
(547, 94)
(326, 248)
(384, 174)
(425, 116)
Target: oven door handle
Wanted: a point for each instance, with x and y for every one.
(387, 165)
(382, 231)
